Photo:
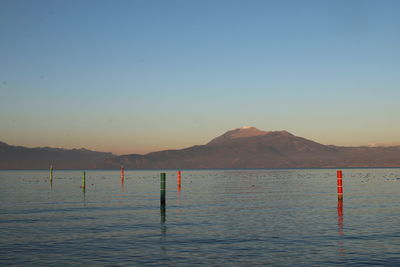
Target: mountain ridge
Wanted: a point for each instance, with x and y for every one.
(19, 157)
(248, 147)
(245, 147)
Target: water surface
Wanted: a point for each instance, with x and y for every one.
(217, 218)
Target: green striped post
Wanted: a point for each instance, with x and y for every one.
(162, 189)
(51, 174)
(83, 180)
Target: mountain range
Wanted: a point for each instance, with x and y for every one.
(246, 147)
(19, 157)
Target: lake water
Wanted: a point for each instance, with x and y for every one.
(217, 218)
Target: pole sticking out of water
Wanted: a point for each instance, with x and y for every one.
(339, 184)
(179, 179)
(83, 180)
(162, 189)
(122, 174)
(51, 174)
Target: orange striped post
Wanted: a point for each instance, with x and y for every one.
(122, 174)
(179, 179)
(339, 184)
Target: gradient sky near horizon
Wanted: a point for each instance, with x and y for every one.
(141, 76)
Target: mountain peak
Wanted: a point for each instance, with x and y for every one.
(245, 131)
(242, 132)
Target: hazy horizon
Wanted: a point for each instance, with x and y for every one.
(142, 76)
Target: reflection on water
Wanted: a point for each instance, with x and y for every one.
(340, 216)
(163, 213)
(341, 248)
(222, 217)
(122, 184)
(84, 196)
(122, 177)
(178, 196)
(163, 229)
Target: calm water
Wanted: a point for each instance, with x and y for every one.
(218, 218)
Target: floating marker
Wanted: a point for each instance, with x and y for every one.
(83, 180)
(179, 179)
(339, 184)
(162, 189)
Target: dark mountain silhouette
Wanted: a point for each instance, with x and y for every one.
(19, 157)
(245, 147)
(248, 147)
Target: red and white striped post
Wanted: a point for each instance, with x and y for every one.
(339, 184)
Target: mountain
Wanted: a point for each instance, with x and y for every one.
(245, 131)
(245, 147)
(248, 147)
(19, 157)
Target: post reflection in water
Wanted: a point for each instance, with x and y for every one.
(178, 194)
(122, 175)
(163, 228)
(340, 216)
(122, 185)
(84, 196)
(340, 244)
(163, 213)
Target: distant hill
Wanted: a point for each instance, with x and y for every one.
(245, 147)
(19, 157)
(248, 147)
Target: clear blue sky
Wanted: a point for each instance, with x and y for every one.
(140, 76)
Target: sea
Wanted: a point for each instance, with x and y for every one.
(231, 217)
